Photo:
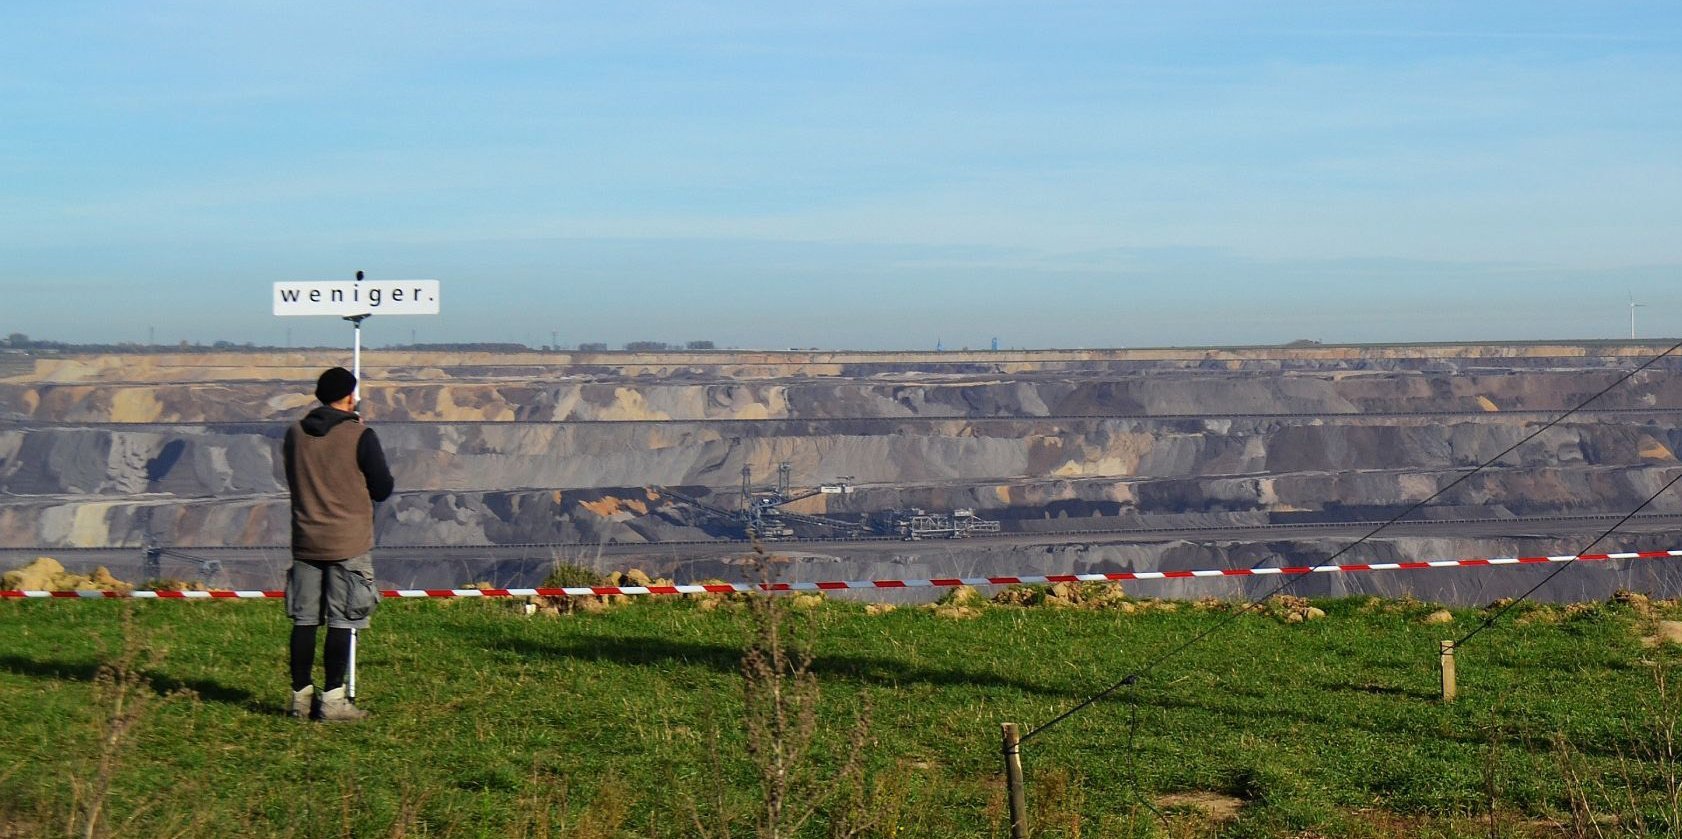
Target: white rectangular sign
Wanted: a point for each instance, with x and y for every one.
(350, 297)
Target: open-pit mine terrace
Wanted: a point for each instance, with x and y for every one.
(1090, 461)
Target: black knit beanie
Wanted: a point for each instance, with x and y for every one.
(335, 384)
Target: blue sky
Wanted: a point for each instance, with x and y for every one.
(860, 175)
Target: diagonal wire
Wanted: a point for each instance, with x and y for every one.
(1134, 677)
(1133, 761)
(1489, 621)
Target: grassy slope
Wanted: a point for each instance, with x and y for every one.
(491, 723)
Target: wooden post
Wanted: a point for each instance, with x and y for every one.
(1446, 656)
(1013, 783)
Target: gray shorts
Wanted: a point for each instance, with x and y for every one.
(340, 594)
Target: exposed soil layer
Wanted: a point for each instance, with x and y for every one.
(622, 449)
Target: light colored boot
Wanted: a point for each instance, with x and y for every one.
(336, 707)
(303, 703)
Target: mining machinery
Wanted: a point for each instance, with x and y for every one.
(151, 562)
(762, 512)
(915, 524)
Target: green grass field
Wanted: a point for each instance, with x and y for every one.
(630, 722)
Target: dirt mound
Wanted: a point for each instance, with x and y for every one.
(1292, 609)
(573, 577)
(1216, 807)
(46, 574)
(1067, 595)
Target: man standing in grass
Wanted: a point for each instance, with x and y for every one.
(335, 471)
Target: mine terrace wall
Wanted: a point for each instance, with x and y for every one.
(578, 448)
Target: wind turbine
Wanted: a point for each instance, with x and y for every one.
(1632, 307)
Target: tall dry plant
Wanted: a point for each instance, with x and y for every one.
(1490, 769)
(780, 697)
(1663, 745)
(1058, 799)
(1641, 795)
(124, 696)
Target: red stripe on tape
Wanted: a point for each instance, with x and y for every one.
(834, 585)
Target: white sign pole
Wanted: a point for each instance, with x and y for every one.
(356, 302)
(356, 354)
(356, 403)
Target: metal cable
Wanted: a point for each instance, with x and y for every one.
(1136, 675)
(1489, 621)
(1133, 761)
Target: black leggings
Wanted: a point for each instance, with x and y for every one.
(336, 657)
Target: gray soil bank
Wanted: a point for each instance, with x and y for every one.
(111, 452)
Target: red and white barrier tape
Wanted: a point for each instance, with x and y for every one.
(840, 585)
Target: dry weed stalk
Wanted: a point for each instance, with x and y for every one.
(410, 803)
(1584, 822)
(125, 696)
(1491, 771)
(543, 798)
(720, 807)
(345, 797)
(780, 695)
(882, 808)
(1059, 796)
(604, 817)
(780, 720)
(1646, 780)
(1665, 752)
